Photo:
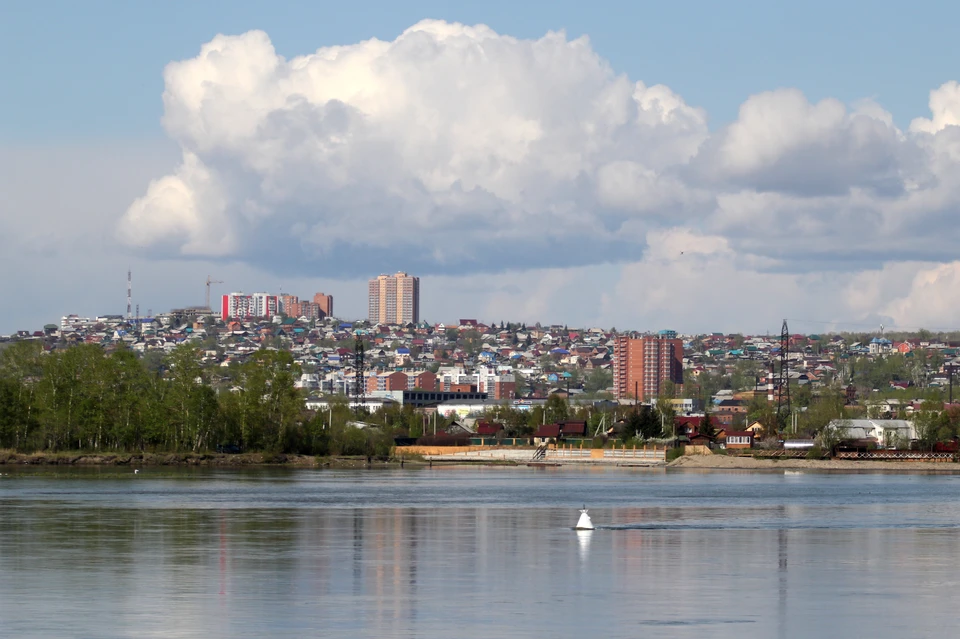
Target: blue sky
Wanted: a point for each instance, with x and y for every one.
(93, 70)
(797, 156)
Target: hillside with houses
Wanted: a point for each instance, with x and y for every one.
(523, 377)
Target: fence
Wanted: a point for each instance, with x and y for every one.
(779, 453)
(896, 455)
(505, 441)
(613, 454)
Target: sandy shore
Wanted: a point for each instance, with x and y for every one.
(751, 463)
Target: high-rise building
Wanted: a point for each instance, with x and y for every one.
(641, 365)
(310, 311)
(394, 299)
(241, 306)
(325, 302)
(290, 305)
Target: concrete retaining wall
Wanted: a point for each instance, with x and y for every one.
(453, 450)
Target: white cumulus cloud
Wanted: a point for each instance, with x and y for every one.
(782, 142)
(455, 151)
(448, 133)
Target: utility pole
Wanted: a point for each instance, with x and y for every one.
(950, 368)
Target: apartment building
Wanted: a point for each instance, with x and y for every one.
(324, 304)
(394, 299)
(642, 365)
(292, 306)
(241, 306)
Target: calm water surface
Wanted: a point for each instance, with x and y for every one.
(485, 552)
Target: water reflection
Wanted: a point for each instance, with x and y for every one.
(782, 583)
(583, 539)
(804, 557)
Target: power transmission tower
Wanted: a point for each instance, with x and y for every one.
(783, 394)
(129, 294)
(359, 388)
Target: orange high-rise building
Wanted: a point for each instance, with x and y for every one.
(325, 302)
(290, 305)
(641, 365)
(394, 299)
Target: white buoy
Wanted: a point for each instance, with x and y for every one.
(584, 522)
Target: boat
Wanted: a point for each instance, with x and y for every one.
(584, 523)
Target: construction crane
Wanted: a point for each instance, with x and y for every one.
(209, 282)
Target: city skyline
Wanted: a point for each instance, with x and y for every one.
(621, 164)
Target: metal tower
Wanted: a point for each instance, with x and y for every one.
(783, 381)
(359, 388)
(129, 294)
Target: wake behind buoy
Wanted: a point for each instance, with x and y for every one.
(584, 523)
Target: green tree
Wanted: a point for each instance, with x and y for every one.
(20, 372)
(265, 407)
(707, 428)
(667, 415)
(557, 409)
(598, 380)
(522, 387)
(649, 423)
(761, 410)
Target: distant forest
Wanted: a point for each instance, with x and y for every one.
(85, 398)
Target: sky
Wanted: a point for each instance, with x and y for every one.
(693, 166)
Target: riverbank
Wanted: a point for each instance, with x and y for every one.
(137, 460)
(736, 462)
(692, 462)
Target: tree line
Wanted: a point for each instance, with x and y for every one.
(85, 398)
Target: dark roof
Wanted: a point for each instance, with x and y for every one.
(548, 430)
(573, 428)
(487, 428)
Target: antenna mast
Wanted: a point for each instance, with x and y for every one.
(129, 294)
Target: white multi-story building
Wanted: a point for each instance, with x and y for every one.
(240, 305)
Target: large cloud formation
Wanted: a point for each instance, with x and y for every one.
(456, 150)
(452, 146)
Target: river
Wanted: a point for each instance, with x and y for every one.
(476, 552)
